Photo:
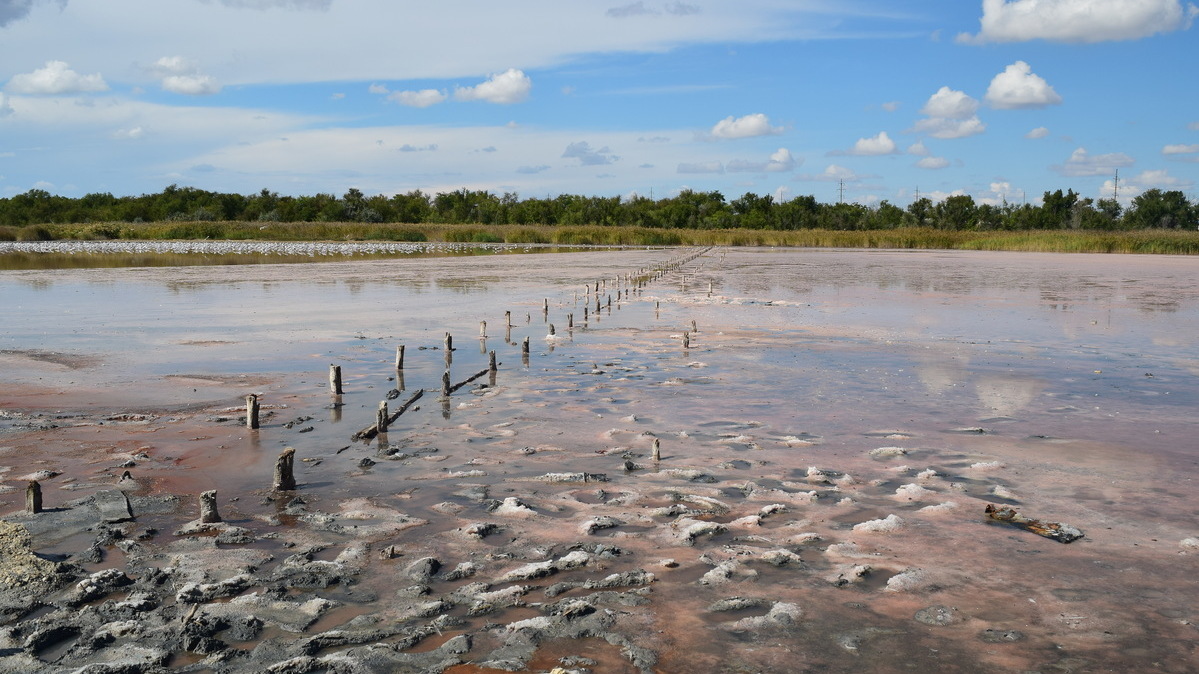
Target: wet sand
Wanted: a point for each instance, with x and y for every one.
(820, 390)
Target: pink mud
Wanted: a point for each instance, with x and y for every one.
(1065, 386)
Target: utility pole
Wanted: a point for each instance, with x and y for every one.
(1116, 186)
(841, 192)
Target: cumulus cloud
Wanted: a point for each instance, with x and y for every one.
(1078, 20)
(933, 163)
(510, 86)
(951, 114)
(182, 76)
(1039, 132)
(1001, 193)
(56, 78)
(5, 106)
(1180, 149)
(1018, 87)
(918, 149)
(128, 134)
(701, 167)
(748, 126)
(530, 170)
(587, 156)
(780, 162)
(832, 173)
(418, 99)
(872, 146)
(1081, 163)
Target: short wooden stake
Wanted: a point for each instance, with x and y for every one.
(285, 479)
(208, 511)
(400, 357)
(656, 452)
(524, 347)
(335, 379)
(382, 417)
(252, 411)
(693, 328)
(686, 340)
(508, 318)
(483, 329)
(570, 321)
(449, 342)
(33, 498)
(445, 384)
(492, 368)
(552, 330)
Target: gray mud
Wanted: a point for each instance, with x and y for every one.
(828, 440)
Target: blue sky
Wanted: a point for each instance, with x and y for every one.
(997, 99)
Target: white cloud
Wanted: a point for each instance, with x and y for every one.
(937, 196)
(1001, 193)
(873, 146)
(182, 76)
(418, 99)
(701, 167)
(587, 156)
(129, 134)
(951, 104)
(1018, 87)
(532, 170)
(56, 78)
(378, 89)
(832, 173)
(951, 114)
(891, 106)
(918, 149)
(1078, 20)
(1081, 163)
(510, 86)
(780, 162)
(1160, 178)
(748, 126)
(639, 9)
(5, 106)
(933, 163)
(1039, 132)
(1180, 149)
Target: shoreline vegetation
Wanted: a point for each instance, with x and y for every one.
(1144, 241)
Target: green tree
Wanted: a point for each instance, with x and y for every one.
(1169, 210)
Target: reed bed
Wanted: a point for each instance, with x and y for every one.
(1156, 241)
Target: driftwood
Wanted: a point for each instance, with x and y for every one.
(1062, 533)
(371, 431)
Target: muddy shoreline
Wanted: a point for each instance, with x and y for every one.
(829, 435)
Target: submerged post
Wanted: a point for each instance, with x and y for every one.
(252, 411)
(335, 379)
(445, 384)
(686, 340)
(285, 479)
(492, 368)
(524, 347)
(33, 498)
(570, 321)
(208, 511)
(400, 357)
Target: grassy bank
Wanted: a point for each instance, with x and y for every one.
(1155, 241)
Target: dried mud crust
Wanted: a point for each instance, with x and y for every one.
(526, 526)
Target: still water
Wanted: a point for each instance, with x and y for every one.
(816, 391)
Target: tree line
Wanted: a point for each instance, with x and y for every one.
(689, 209)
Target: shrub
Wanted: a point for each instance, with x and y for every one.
(8, 234)
(34, 233)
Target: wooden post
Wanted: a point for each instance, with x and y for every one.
(445, 384)
(381, 417)
(570, 321)
(335, 379)
(33, 498)
(508, 318)
(524, 347)
(693, 328)
(208, 511)
(483, 329)
(400, 357)
(449, 342)
(686, 340)
(551, 330)
(252, 411)
(584, 314)
(492, 369)
(285, 479)
(656, 452)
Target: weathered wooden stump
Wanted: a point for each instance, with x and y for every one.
(552, 332)
(524, 347)
(570, 321)
(400, 357)
(285, 479)
(656, 452)
(686, 340)
(208, 511)
(252, 411)
(382, 417)
(335, 379)
(445, 384)
(33, 498)
(483, 329)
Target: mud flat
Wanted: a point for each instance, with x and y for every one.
(714, 460)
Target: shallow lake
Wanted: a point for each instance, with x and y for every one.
(840, 386)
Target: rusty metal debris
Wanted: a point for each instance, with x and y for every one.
(1062, 533)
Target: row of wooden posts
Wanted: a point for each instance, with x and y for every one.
(284, 471)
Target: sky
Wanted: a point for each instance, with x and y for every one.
(854, 100)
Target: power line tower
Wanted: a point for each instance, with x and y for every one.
(841, 192)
